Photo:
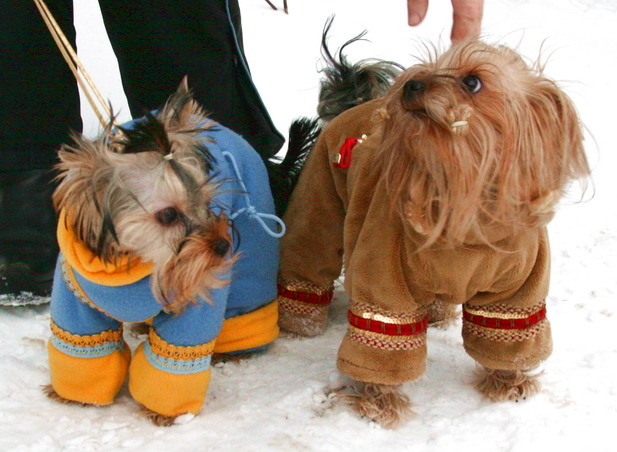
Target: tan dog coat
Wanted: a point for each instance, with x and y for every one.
(336, 212)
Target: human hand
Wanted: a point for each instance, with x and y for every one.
(467, 16)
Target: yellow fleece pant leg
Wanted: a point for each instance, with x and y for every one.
(248, 331)
(88, 380)
(164, 392)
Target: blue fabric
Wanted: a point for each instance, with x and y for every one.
(73, 315)
(95, 351)
(253, 278)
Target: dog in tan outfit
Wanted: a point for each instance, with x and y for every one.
(437, 192)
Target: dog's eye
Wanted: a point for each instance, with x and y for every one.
(472, 83)
(167, 216)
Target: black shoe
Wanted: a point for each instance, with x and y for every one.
(28, 247)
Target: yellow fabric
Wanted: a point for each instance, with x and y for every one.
(166, 393)
(247, 331)
(92, 380)
(126, 271)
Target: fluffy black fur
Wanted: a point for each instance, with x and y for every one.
(347, 85)
(284, 173)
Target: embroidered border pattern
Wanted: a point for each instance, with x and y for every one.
(176, 366)
(185, 353)
(303, 298)
(175, 358)
(504, 323)
(386, 331)
(90, 346)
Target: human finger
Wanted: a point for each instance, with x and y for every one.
(467, 19)
(416, 11)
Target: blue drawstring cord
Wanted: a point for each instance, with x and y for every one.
(250, 209)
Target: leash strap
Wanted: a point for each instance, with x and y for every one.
(84, 80)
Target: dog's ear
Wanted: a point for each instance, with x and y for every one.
(563, 153)
(183, 88)
(181, 109)
(85, 174)
(545, 153)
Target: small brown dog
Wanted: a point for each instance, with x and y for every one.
(437, 193)
(145, 233)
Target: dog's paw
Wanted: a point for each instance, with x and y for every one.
(384, 404)
(230, 358)
(502, 385)
(50, 392)
(160, 420)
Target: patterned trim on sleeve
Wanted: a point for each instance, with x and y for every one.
(175, 358)
(90, 346)
(386, 330)
(502, 323)
(303, 298)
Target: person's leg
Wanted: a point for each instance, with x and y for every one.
(39, 104)
(158, 43)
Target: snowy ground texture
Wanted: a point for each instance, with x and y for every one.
(278, 401)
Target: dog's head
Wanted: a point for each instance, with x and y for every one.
(146, 193)
(476, 138)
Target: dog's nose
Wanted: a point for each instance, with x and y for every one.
(413, 87)
(220, 247)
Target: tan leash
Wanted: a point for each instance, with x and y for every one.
(79, 71)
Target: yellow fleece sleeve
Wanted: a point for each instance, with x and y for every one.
(168, 379)
(249, 331)
(88, 369)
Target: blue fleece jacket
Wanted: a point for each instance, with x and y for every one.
(244, 195)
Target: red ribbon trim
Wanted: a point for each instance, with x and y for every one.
(344, 155)
(505, 324)
(391, 329)
(313, 298)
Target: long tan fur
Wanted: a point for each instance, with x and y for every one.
(51, 393)
(383, 404)
(462, 163)
(160, 420)
(502, 385)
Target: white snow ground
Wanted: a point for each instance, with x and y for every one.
(277, 401)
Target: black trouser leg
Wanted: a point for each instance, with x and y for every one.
(39, 104)
(27, 232)
(39, 101)
(158, 43)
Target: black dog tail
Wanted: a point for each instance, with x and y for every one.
(346, 85)
(284, 173)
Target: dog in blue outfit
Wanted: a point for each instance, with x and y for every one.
(167, 220)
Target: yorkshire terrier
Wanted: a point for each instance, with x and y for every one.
(168, 219)
(435, 194)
